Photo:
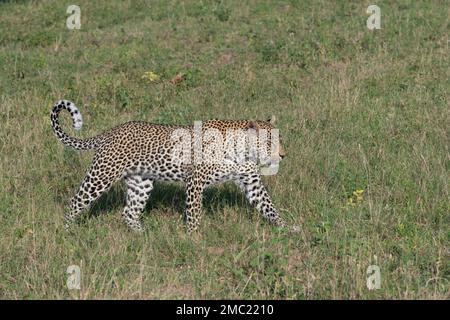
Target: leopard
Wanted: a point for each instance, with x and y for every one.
(142, 153)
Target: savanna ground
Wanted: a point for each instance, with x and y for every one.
(357, 109)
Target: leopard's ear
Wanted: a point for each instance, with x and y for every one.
(253, 124)
(272, 120)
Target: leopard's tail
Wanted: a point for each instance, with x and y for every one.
(79, 144)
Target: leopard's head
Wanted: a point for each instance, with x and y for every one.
(268, 142)
(243, 140)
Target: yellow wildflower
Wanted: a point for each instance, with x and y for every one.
(358, 194)
(356, 197)
(150, 76)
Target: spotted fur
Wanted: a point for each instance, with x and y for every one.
(141, 153)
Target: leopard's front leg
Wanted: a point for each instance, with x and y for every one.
(249, 179)
(194, 196)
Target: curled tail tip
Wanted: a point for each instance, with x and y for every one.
(77, 120)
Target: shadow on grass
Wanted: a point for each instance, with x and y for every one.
(170, 195)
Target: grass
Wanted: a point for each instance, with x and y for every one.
(358, 109)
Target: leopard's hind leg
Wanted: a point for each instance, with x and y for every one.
(98, 179)
(138, 192)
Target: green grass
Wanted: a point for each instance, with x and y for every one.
(358, 109)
